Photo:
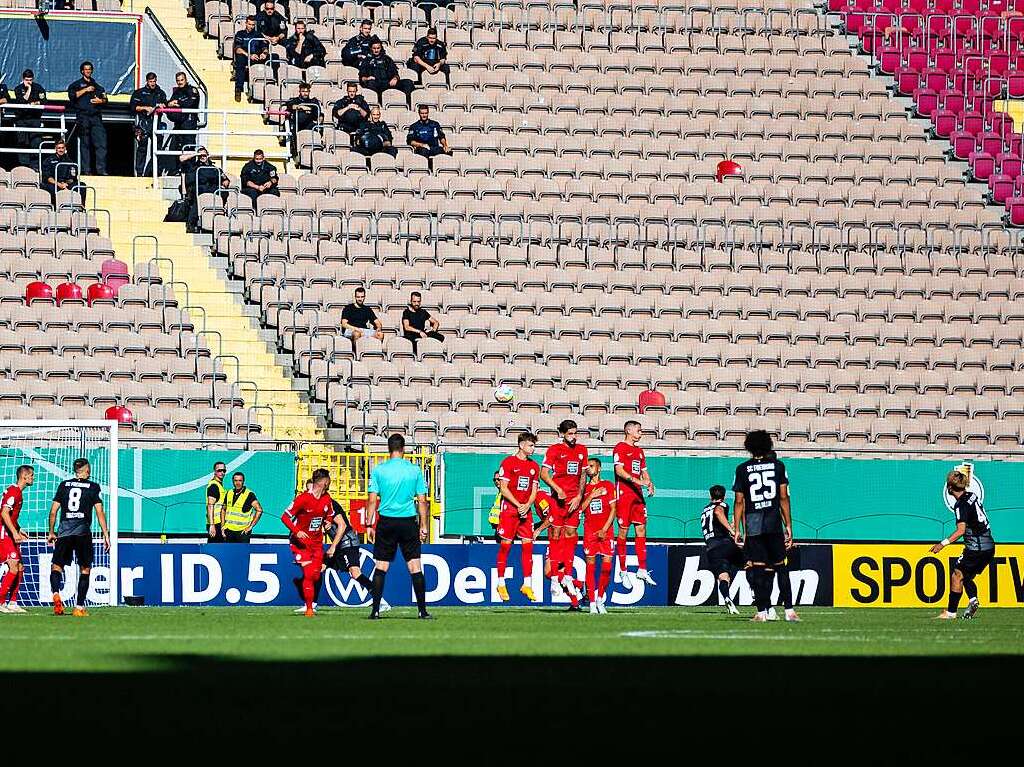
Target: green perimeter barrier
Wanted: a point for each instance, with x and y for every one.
(851, 499)
(162, 491)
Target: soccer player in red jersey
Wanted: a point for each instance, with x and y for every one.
(306, 518)
(631, 478)
(517, 483)
(10, 538)
(598, 513)
(563, 471)
(545, 504)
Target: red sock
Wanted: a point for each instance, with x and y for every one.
(641, 552)
(606, 576)
(591, 568)
(620, 547)
(13, 597)
(527, 560)
(569, 556)
(309, 577)
(7, 584)
(503, 549)
(558, 555)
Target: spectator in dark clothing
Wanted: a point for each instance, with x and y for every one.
(28, 91)
(304, 113)
(59, 173)
(351, 110)
(258, 177)
(358, 48)
(184, 96)
(379, 73)
(144, 102)
(426, 136)
(88, 98)
(417, 323)
(374, 136)
(304, 49)
(430, 55)
(250, 47)
(200, 176)
(271, 24)
(357, 318)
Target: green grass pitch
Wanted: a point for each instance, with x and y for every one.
(127, 639)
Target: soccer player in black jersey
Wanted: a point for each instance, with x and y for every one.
(979, 546)
(724, 558)
(75, 499)
(763, 525)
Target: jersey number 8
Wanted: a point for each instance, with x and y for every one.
(74, 498)
(762, 485)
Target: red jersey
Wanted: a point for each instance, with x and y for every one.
(602, 495)
(522, 476)
(542, 503)
(633, 460)
(566, 465)
(11, 503)
(310, 515)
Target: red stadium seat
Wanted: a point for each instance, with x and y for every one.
(115, 273)
(68, 291)
(100, 291)
(119, 413)
(651, 399)
(728, 168)
(38, 291)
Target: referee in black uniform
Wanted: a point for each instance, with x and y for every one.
(396, 513)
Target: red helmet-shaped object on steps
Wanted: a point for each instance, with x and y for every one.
(119, 413)
(38, 291)
(728, 168)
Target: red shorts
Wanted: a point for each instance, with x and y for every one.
(592, 547)
(510, 526)
(630, 510)
(311, 553)
(9, 549)
(560, 515)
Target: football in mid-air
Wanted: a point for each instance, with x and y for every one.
(504, 393)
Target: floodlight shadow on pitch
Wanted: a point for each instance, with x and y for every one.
(727, 169)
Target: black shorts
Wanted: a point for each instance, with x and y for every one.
(769, 549)
(236, 536)
(344, 558)
(724, 556)
(77, 546)
(971, 563)
(394, 533)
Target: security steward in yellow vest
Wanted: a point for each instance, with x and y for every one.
(241, 511)
(215, 493)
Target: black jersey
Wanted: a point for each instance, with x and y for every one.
(710, 525)
(760, 480)
(77, 498)
(978, 536)
(350, 537)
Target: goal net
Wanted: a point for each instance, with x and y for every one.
(50, 448)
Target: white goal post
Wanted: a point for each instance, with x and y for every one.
(50, 448)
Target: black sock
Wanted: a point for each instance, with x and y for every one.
(83, 588)
(970, 588)
(757, 577)
(378, 588)
(767, 587)
(365, 582)
(723, 589)
(785, 586)
(419, 587)
(954, 600)
(56, 581)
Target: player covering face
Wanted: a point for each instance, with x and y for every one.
(598, 512)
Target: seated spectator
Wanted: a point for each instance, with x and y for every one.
(374, 136)
(60, 172)
(415, 321)
(304, 49)
(304, 113)
(250, 47)
(200, 176)
(430, 55)
(358, 47)
(351, 110)
(357, 318)
(426, 136)
(258, 177)
(379, 73)
(271, 24)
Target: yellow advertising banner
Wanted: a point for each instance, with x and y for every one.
(909, 575)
